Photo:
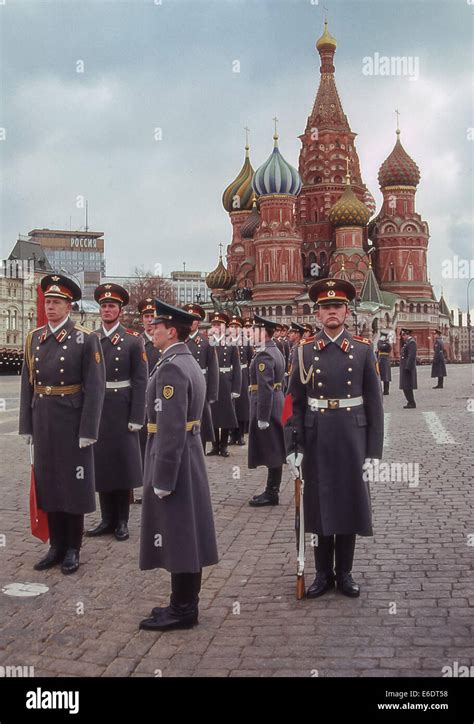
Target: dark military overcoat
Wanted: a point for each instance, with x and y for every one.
(206, 357)
(266, 447)
(408, 379)
(384, 349)
(118, 462)
(438, 368)
(335, 441)
(64, 472)
(230, 380)
(177, 531)
(242, 403)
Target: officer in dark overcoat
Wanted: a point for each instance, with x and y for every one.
(224, 418)
(205, 355)
(62, 391)
(338, 433)
(242, 403)
(266, 439)
(118, 463)
(146, 309)
(384, 349)
(438, 368)
(408, 379)
(177, 531)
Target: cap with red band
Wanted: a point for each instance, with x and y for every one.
(60, 287)
(111, 293)
(332, 291)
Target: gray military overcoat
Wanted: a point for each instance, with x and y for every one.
(383, 357)
(206, 357)
(408, 380)
(438, 368)
(177, 531)
(230, 380)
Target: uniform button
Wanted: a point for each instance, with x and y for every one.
(316, 359)
(116, 369)
(64, 346)
(61, 359)
(62, 382)
(119, 348)
(121, 339)
(348, 409)
(349, 369)
(351, 356)
(115, 389)
(349, 382)
(320, 384)
(37, 348)
(69, 336)
(37, 371)
(41, 395)
(321, 397)
(322, 409)
(117, 359)
(318, 372)
(36, 359)
(61, 371)
(349, 395)
(352, 347)
(62, 394)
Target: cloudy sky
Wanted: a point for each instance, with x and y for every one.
(169, 64)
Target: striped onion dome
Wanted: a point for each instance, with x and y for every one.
(399, 169)
(276, 176)
(220, 277)
(248, 228)
(238, 194)
(369, 201)
(348, 210)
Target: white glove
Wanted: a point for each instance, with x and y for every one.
(86, 441)
(28, 439)
(134, 427)
(234, 395)
(294, 461)
(161, 493)
(262, 425)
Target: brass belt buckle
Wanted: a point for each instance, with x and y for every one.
(333, 404)
(48, 390)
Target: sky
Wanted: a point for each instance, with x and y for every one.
(169, 65)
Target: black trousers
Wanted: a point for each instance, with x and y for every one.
(65, 530)
(222, 439)
(409, 396)
(341, 547)
(115, 506)
(386, 388)
(440, 381)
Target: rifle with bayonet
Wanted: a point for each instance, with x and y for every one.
(299, 529)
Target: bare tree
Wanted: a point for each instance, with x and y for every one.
(144, 284)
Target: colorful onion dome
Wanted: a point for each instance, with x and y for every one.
(276, 176)
(326, 40)
(369, 201)
(248, 228)
(220, 277)
(238, 195)
(399, 169)
(348, 210)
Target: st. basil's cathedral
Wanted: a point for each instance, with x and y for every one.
(290, 227)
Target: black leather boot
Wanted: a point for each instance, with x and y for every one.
(345, 546)
(324, 561)
(71, 561)
(122, 507)
(223, 444)
(52, 558)
(270, 495)
(240, 434)
(215, 445)
(106, 525)
(182, 612)
(386, 388)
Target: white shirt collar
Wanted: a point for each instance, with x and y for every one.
(333, 339)
(108, 332)
(148, 336)
(61, 324)
(191, 336)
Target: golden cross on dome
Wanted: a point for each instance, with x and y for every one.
(275, 135)
(348, 176)
(220, 251)
(247, 131)
(398, 121)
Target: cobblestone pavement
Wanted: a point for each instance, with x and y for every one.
(414, 615)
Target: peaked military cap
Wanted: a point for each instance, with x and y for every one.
(111, 293)
(332, 291)
(61, 287)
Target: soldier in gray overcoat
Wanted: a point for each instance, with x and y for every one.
(338, 433)
(206, 357)
(118, 463)
(438, 368)
(384, 349)
(242, 403)
(146, 309)
(408, 379)
(224, 418)
(177, 531)
(266, 439)
(62, 390)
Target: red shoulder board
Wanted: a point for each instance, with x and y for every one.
(307, 340)
(361, 339)
(132, 331)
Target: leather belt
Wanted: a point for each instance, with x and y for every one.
(244, 366)
(118, 385)
(330, 404)
(152, 427)
(254, 388)
(225, 369)
(384, 354)
(53, 390)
